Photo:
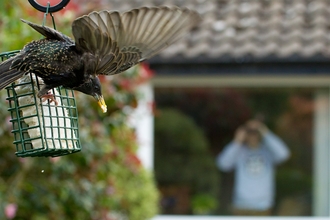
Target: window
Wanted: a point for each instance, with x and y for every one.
(300, 116)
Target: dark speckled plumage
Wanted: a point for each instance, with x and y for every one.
(105, 43)
(56, 62)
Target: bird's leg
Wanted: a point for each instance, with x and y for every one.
(44, 95)
(50, 97)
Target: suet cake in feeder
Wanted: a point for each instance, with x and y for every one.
(42, 128)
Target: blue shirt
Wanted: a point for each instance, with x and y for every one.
(254, 171)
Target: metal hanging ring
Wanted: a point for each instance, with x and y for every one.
(51, 9)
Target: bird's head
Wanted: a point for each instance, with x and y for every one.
(93, 87)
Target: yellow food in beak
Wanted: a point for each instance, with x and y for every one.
(102, 104)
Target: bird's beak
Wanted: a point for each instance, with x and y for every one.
(101, 102)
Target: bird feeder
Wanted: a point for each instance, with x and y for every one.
(41, 127)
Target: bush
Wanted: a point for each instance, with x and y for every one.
(182, 157)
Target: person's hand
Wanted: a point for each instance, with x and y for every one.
(240, 135)
(258, 125)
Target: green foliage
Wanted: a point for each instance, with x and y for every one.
(292, 182)
(15, 34)
(203, 204)
(181, 154)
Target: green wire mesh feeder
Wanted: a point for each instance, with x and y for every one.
(41, 128)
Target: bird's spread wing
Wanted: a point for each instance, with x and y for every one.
(119, 41)
(49, 32)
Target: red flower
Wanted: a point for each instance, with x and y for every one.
(126, 84)
(145, 71)
(102, 78)
(133, 159)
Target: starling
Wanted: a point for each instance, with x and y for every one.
(105, 43)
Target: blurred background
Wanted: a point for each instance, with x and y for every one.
(154, 151)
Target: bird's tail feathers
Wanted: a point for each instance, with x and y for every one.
(7, 75)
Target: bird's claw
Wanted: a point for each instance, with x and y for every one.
(50, 98)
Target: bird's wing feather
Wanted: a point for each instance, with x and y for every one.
(153, 29)
(119, 41)
(49, 32)
(92, 37)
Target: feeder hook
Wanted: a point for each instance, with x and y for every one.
(51, 9)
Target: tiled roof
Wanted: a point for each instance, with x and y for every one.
(257, 29)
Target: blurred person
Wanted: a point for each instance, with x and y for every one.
(253, 154)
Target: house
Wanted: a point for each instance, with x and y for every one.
(256, 44)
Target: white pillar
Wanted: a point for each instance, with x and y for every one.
(321, 186)
(143, 121)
